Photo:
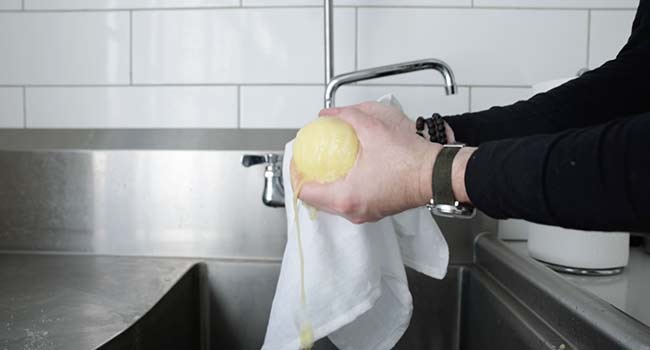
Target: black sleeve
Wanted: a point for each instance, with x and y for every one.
(595, 178)
(618, 88)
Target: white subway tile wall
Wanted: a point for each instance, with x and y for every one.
(11, 108)
(10, 4)
(294, 106)
(609, 32)
(133, 107)
(279, 106)
(402, 3)
(64, 48)
(259, 63)
(416, 100)
(123, 4)
(237, 46)
(582, 4)
(484, 47)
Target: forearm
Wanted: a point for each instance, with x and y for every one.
(595, 178)
(616, 89)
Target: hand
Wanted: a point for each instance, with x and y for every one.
(451, 138)
(392, 172)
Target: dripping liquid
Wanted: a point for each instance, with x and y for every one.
(306, 331)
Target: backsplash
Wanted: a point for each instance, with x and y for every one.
(259, 63)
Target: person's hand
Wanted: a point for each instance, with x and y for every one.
(451, 138)
(392, 172)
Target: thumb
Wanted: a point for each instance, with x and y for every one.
(313, 193)
(351, 115)
(320, 196)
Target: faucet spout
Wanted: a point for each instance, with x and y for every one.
(393, 69)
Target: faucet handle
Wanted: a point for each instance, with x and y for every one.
(273, 195)
(249, 160)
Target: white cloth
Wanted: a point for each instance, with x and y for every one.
(355, 283)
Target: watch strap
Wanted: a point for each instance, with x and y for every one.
(441, 178)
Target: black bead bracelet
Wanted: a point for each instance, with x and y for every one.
(435, 128)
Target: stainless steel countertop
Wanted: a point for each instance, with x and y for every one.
(629, 291)
(77, 301)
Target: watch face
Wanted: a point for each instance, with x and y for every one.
(453, 211)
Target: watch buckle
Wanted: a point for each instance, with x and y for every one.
(456, 210)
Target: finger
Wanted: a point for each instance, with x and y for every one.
(350, 114)
(354, 117)
(294, 176)
(320, 196)
(314, 189)
(370, 107)
(451, 138)
(334, 111)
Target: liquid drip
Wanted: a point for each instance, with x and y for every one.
(324, 151)
(313, 213)
(306, 331)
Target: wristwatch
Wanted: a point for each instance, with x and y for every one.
(443, 202)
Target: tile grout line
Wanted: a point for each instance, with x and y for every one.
(22, 5)
(130, 47)
(24, 107)
(588, 37)
(290, 6)
(239, 106)
(181, 85)
(237, 7)
(356, 38)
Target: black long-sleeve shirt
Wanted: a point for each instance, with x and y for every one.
(576, 156)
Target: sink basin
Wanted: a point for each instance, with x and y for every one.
(496, 303)
(466, 310)
(176, 321)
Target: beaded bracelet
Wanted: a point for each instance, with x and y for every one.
(435, 128)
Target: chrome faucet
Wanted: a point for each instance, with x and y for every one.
(335, 82)
(385, 71)
(273, 195)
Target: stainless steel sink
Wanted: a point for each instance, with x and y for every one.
(501, 301)
(177, 321)
(238, 310)
(172, 194)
